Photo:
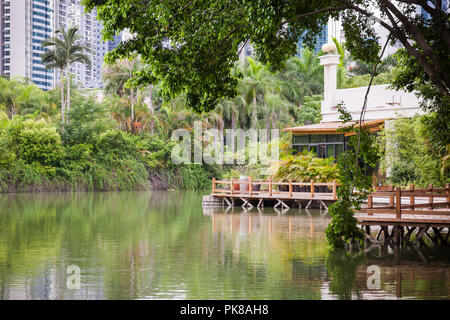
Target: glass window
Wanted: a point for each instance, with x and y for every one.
(330, 150)
(322, 151)
(301, 139)
(339, 149)
(313, 149)
(335, 138)
(317, 138)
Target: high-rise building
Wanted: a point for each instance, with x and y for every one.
(333, 29)
(112, 44)
(72, 13)
(24, 26)
(320, 40)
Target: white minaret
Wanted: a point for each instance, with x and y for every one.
(330, 62)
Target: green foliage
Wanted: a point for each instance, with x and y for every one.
(19, 96)
(342, 227)
(413, 78)
(363, 80)
(304, 167)
(116, 144)
(193, 177)
(310, 110)
(204, 41)
(411, 155)
(35, 141)
(366, 68)
(88, 119)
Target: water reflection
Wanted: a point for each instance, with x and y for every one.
(162, 245)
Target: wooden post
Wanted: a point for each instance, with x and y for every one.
(290, 188)
(270, 186)
(447, 192)
(398, 203)
(232, 186)
(334, 190)
(370, 203)
(430, 198)
(391, 197)
(312, 188)
(213, 185)
(412, 199)
(374, 182)
(250, 187)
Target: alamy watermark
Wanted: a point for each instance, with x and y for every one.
(74, 279)
(233, 146)
(374, 278)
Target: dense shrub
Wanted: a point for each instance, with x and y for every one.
(88, 120)
(116, 144)
(411, 156)
(35, 141)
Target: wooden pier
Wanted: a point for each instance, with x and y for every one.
(278, 194)
(406, 214)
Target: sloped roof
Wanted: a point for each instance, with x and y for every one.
(332, 127)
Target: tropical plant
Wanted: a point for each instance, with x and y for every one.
(256, 82)
(304, 167)
(303, 76)
(66, 50)
(20, 96)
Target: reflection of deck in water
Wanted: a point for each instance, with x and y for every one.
(402, 270)
(309, 223)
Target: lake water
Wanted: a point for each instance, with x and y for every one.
(162, 245)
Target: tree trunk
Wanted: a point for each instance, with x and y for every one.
(254, 113)
(151, 107)
(267, 124)
(233, 129)
(68, 94)
(62, 95)
(274, 123)
(132, 109)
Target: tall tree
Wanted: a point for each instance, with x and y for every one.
(66, 49)
(303, 76)
(191, 46)
(256, 82)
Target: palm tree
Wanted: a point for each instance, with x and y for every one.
(117, 75)
(341, 67)
(256, 82)
(65, 51)
(302, 77)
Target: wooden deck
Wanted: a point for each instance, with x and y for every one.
(407, 212)
(279, 194)
(399, 215)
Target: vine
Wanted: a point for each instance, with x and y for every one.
(343, 228)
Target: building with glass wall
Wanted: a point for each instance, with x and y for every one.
(25, 25)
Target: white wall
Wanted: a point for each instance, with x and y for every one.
(18, 41)
(382, 103)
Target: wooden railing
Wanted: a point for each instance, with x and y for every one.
(396, 207)
(255, 187)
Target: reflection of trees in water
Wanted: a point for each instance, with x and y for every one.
(341, 268)
(106, 234)
(418, 272)
(403, 274)
(135, 244)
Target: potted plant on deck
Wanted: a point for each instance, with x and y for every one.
(304, 167)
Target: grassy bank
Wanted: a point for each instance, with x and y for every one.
(90, 153)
